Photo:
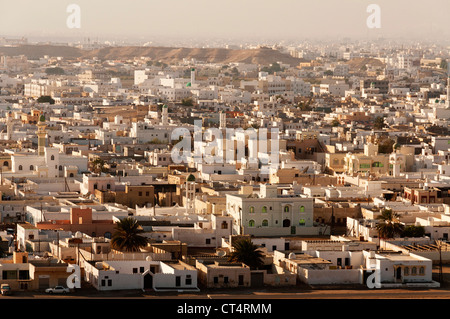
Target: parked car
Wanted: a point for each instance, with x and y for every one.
(6, 289)
(57, 290)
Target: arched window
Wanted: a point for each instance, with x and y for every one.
(108, 235)
(265, 223)
(287, 209)
(302, 209)
(5, 163)
(31, 167)
(414, 271)
(52, 158)
(60, 167)
(224, 225)
(406, 271)
(20, 167)
(422, 271)
(71, 175)
(264, 209)
(251, 209)
(251, 223)
(302, 222)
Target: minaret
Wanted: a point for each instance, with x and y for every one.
(165, 115)
(9, 126)
(190, 194)
(192, 76)
(42, 135)
(223, 120)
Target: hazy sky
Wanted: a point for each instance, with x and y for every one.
(233, 19)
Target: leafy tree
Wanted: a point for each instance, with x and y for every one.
(335, 123)
(444, 65)
(99, 165)
(46, 99)
(274, 67)
(127, 236)
(413, 231)
(187, 102)
(54, 71)
(248, 253)
(389, 225)
(378, 123)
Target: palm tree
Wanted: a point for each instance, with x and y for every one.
(98, 165)
(127, 236)
(246, 252)
(390, 224)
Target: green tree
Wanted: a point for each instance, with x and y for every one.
(127, 236)
(248, 253)
(413, 231)
(99, 165)
(54, 71)
(378, 123)
(335, 123)
(389, 224)
(187, 102)
(46, 99)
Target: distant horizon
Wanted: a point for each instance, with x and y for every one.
(232, 21)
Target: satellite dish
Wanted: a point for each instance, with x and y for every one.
(221, 253)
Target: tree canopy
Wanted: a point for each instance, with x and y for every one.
(128, 236)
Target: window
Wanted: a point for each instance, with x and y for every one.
(251, 209)
(302, 209)
(208, 241)
(52, 158)
(188, 281)
(20, 167)
(422, 271)
(31, 167)
(108, 186)
(224, 225)
(264, 209)
(135, 270)
(225, 280)
(216, 280)
(140, 193)
(414, 271)
(377, 164)
(251, 223)
(147, 193)
(60, 167)
(240, 280)
(286, 209)
(406, 271)
(141, 269)
(302, 222)
(265, 223)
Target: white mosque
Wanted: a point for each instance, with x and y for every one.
(46, 162)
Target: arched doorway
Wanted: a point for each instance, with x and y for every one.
(148, 281)
(286, 223)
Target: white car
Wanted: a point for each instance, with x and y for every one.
(57, 290)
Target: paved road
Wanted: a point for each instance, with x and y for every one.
(413, 293)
